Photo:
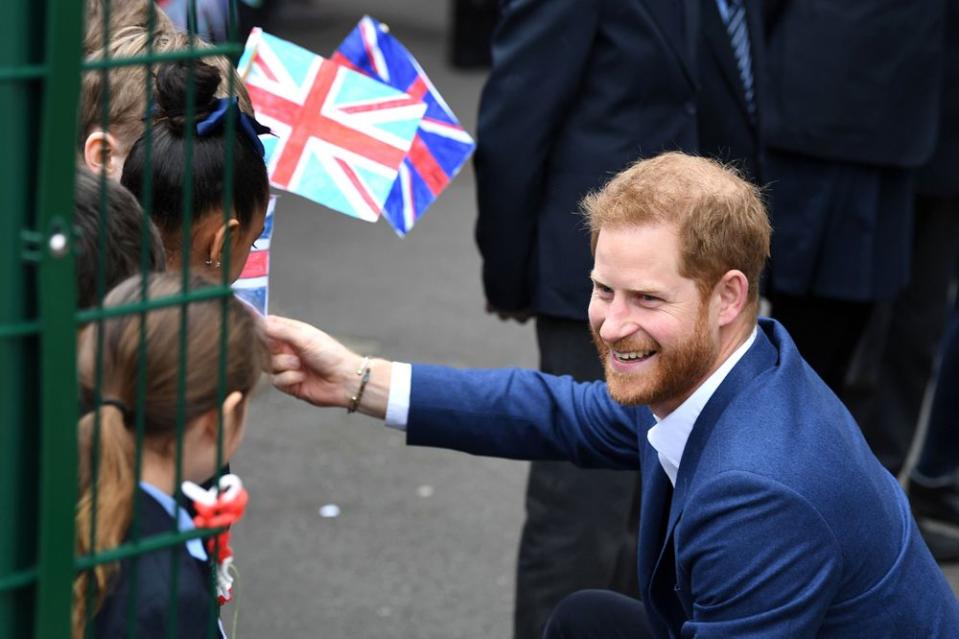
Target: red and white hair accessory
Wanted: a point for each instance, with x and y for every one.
(219, 507)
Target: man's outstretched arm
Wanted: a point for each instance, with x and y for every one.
(510, 413)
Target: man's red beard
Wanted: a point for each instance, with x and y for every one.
(676, 371)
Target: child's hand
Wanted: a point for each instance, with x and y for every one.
(310, 365)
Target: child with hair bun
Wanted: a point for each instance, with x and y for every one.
(114, 586)
(202, 172)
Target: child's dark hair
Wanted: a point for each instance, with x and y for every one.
(207, 169)
(123, 220)
(245, 357)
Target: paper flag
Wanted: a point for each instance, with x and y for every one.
(441, 146)
(340, 136)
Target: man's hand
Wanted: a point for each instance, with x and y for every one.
(517, 316)
(309, 364)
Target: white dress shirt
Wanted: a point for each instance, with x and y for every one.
(668, 436)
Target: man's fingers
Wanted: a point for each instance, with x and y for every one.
(276, 346)
(285, 362)
(291, 331)
(288, 378)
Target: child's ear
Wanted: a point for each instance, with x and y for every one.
(102, 150)
(219, 239)
(233, 411)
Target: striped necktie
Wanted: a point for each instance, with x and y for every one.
(733, 13)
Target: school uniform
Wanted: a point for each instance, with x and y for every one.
(839, 161)
(142, 587)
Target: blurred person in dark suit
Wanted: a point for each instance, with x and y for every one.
(577, 92)
(851, 110)
(894, 363)
(934, 482)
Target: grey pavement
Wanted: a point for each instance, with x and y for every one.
(425, 542)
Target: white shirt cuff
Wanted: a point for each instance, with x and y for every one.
(398, 403)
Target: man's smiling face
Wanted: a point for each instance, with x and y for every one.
(651, 325)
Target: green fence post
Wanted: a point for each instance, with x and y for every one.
(21, 51)
(57, 307)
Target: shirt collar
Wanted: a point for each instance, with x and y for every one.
(670, 434)
(183, 519)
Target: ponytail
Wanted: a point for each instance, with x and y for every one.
(164, 404)
(114, 504)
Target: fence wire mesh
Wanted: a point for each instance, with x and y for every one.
(40, 90)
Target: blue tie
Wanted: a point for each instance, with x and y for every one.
(733, 13)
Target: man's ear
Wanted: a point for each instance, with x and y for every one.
(102, 150)
(231, 228)
(732, 292)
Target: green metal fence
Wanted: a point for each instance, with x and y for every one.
(40, 72)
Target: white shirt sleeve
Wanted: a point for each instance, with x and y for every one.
(398, 403)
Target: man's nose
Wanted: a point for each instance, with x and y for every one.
(618, 322)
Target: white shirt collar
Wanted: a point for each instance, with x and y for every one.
(670, 434)
(184, 521)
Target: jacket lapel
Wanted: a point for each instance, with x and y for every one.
(760, 356)
(678, 22)
(653, 521)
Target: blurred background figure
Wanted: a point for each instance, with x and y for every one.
(577, 92)
(895, 359)
(472, 33)
(934, 481)
(840, 159)
(212, 16)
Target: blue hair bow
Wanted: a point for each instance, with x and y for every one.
(248, 124)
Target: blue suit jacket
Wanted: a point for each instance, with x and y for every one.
(782, 522)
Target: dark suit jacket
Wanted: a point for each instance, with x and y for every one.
(195, 606)
(579, 90)
(854, 80)
(727, 132)
(940, 176)
(851, 107)
(782, 522)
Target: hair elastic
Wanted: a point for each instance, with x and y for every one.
(248, 124)
(123, 408)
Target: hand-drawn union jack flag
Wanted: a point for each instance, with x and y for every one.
(441, 146)
(340, 136)
(253, 285)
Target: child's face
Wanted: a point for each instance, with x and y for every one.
(209, 238)
(244, 239)
(200, 443)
